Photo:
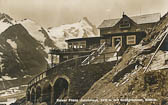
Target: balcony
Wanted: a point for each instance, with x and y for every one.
(70, 51)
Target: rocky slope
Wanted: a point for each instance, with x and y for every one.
(130, 79)
(24, 47)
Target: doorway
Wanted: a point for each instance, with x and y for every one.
(116, 41)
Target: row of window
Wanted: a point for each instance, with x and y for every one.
(76, 45)
(131, 39)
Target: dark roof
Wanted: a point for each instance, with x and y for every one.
(142, 19)
(87, 38)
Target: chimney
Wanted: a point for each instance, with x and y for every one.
(123, 14)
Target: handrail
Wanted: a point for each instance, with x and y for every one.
(94, 54)
(44, 73)
(68, 50)
(117, 48)
(118, 45)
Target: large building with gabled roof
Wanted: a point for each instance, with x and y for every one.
(115, 33)
(128, 30)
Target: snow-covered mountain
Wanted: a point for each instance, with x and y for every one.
(24, 47)
(83, 28)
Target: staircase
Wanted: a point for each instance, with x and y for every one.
(103, 54)
(94, 54)
(117, 49)
(108, 53)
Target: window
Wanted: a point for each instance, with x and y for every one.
(75, 45)
(69, 45)
(131, 39)
(82, 44)
(124, 24)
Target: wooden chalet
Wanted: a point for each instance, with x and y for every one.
(128, 30)
(125, 31)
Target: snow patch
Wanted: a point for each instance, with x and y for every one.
(27, 76)
(47, 49)
(159, 61)
(33, 29)
(7, 78)
(8, 93)
(12, 43)
(9, 101)
(113, 59)
(1, 53)
(4, 26)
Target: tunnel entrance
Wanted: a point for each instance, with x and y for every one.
(60, 90)
(46, 97)
(33, 96)
(38, 94)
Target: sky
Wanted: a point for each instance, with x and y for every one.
(51, 13)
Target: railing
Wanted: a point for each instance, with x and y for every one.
(94, 54)
(117, 49)
(53, 51)
(105, 57)
(74, 62)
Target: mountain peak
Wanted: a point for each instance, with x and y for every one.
(85, 19)
(5, 16)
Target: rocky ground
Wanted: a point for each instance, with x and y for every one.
(129, 82)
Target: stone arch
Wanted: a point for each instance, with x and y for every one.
(61, 89)
(61, 76)
(38, 93)
(46, 93)
(33, 95)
